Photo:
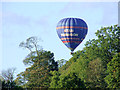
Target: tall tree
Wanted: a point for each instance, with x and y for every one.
(40, 64)
(39, 73)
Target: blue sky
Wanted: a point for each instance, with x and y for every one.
(21, 20)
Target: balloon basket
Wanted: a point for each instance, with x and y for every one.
(71, 52)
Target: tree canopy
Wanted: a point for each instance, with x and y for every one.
(97, 65)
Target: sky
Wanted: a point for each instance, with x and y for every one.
(21, 20)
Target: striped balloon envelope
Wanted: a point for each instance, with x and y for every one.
(72, 31)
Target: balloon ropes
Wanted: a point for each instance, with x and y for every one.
(72, 32)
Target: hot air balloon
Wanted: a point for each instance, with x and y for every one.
(72, 32)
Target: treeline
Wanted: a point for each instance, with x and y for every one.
(96, 66)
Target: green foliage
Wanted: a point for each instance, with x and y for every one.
(96, 66)
(69, 81)
(55, 79)
(113, 69)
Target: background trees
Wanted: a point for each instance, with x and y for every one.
(7, 80)
(96, 66)
(8, 75)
